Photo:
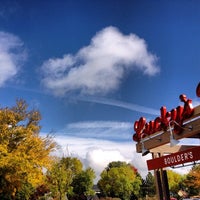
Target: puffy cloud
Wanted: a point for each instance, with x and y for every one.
(100, 66)
(100, 151)
(99, 158)
(97, 143)
(96, 148)
(12, 55)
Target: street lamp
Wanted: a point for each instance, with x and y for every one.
(173, 141)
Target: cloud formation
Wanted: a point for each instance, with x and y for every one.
(98, 153)
(93, 144)
(107, 130)
(97, 143)
(121, 104)
(99, 67)
(12, 56)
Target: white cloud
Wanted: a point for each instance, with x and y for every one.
(99, 124)
(99, 158)
(109, 130)
(98, 143)
(100, 66)
(12, 55)
(98, 153)
(121, 104)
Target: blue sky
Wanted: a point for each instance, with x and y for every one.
(94, 67)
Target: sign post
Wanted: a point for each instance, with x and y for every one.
(160, 136)
(182, 157)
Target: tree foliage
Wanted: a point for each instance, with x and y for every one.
(23, 152)
(59, 180)
(72, 164)
(192, 180)
(83, 182)
(119, 180)
(149, 186)
(67, 178)
(174, 179)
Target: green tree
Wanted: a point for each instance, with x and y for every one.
(23, 152)
(119, 180)
(83, 182)
(59, 180)
(67, 178)
(25, 191)
(72, 164)
(148, 186)
(175, 180)
(41, 192)
(116, 164)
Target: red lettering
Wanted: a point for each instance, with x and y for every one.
(157, 124)
(188, 107)
(178, 120)
(165, 161)
(186, 156)
(139, 127)
(190, 155)
(146, 129)
(165, 117)
(135, 137)
(151, 127)
(173, 114)
(182, 158)
(176, 116)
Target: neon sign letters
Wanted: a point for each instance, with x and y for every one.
(175, 117)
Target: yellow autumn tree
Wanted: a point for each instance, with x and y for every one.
(24, 154)
(192, 181)
(195, 173)
(175, 180)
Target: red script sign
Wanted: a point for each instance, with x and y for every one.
(174, 159)
(179, 114)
